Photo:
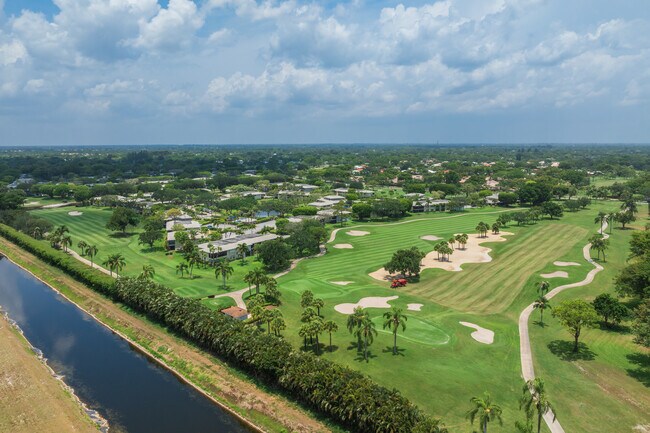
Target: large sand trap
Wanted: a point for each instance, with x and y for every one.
(357, 233)
(566, 264)
(473, 253)
(481, 335)
(414, 307)
(556, 274)
(75, 213)
(372, 302)
(430, 238)
(342, 283)
(343, 246)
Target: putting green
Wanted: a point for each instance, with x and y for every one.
(417, 331)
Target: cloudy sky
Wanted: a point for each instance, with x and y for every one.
(275, 71)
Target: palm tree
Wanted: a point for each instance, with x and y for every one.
(148, 272)
(485, 410)
(451, 241)
(257, 277)
(66, 241)
(354, 322)
(37, 233)
(366, 332)
(543, 287)
(181, 268)
(108, 264)
(394, 320)
(120, 263)
(222, 268)
(464, 237)
(536, 399)
(600, 220)
(600, 244)
(495, 228)
(611, 220)
(271, 289)
(82, 245)
(91, 251)
(193, 258)
(330, 327)
(306, 298)
(242, 250)
(318, 303)
(541, 304)
(278, 325)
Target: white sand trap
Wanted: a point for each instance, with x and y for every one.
(357, 233)
(556, 274)
(481, 335)
(372, 302)
(430, 238)
(343, 246)
(75, 213)
(342, 283)
(566, 264)
(414, 307)
(473, 253)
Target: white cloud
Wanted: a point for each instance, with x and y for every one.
(172, 28)
(12, 52)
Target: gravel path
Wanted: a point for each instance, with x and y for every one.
(87, 262)
(527, 370)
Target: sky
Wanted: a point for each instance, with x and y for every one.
(96, 72)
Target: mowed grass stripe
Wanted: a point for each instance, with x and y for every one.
(491, 287)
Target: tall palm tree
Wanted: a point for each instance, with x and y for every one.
(330, 327)
(193, 258)
(91, 252)
(535, 399)
(600, 244)
(395, 319)
(496, 227)
(543, 287)
(486, 411)
(120, 263)
(278, 325)
(66, 241)
(451, 241)
(82, 245)
(354, 322)
(611, 220)
(148, 272)
(271, 288)
(108, 263)
(366, 332)
(317, 303)
(256, 277)
(181, 268)
(222, 268)
(242, 250)
(600, 220)
(541, 304)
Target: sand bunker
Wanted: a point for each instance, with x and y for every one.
(342, 283)
(556, 274)
(372, 302)
(357, 233)
(430, 238)
(75, 213)
(566, 264)
(414, 307)
(343, 246)
(481, 335)
(473, 253)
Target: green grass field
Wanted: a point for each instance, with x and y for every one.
(439, 365)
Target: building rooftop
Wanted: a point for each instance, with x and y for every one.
(231, 243)
(235, 312)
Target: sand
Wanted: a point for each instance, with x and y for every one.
(430, 238)
(75, 213)
(481, 335)
(357, 233)
(343, 246)
(372, 302)
(414, 307)
(556, 274)
(342, 283)
(566, 264)
(473, 253)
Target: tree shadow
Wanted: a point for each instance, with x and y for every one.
(642, 372)
(353, 346)
(540, 324)
(332, 349)
(389, 349)
(564, 350)
(120, 235)
(615, 328)
(360, 357)
(152, 249)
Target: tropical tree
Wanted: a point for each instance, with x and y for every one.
(223, 269)
(37, 232)
(535, 399)
(366, 332)
(330, 327)
(575, 315)
(308, 314)
(496, 227)
(148, 272)
(82, 245)
(271, 291)
(91, 251)
(256, 277)
(451, 241)
(430, 425)
(354, 322)
(482, 229)
(485, 410)
(278, 325)
(242, 250)
(317, 303)
(66, 241)
(115, 263)
(600, 220)
(192, 258)
(541, 304)
(600, 244)
(395, 319)
(543, 288)
(306, 298)
(181, 268)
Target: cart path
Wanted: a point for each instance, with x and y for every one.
(84, 260)
(335, 231)
(527, 370)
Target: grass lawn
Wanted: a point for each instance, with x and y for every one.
(91, 228)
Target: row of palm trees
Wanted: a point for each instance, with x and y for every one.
(313, 323)
(361, 325)
(534, 402)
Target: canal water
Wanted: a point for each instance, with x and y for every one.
(129, 390)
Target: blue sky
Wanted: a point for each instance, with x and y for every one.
(274, 71)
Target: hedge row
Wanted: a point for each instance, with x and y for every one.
(345, 395)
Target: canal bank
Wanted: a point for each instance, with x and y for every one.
(229, 387)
